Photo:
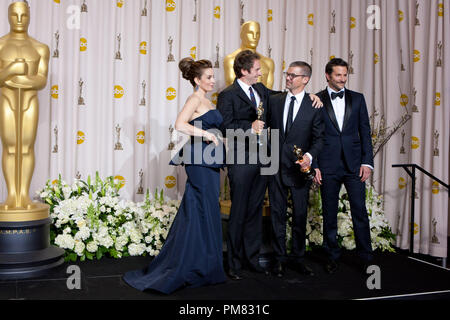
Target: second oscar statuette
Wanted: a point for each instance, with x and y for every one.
(309, 173)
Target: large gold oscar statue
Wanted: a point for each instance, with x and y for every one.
(250, 34)
(25, 250)
(23, 71)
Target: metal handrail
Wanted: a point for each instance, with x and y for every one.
(412, 174)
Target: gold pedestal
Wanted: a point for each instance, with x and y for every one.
(35, 211)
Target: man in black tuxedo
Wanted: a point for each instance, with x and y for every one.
(346, 158)
(238, 105)
(300, 124)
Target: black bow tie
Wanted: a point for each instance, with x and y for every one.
(340, 94)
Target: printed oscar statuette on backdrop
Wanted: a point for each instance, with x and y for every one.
(402, 148)
(415, 108)
(118, 54)
(309, 172)
(439, 59)
(350, 63)
(144, 10)
(84, 7)
(436, 142)
(170, 57)
(25, 250)
(143, 102)
(118, 146)
(56, 51)
(171, 143)
(241, 7)
(216, 64)
(333, 27)
(194, 19)
(141, 186)
(417, 14)
(434, 238)
(80, 93)
(55, 147)
(402, 66)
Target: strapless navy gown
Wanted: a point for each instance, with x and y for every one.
(192, 253)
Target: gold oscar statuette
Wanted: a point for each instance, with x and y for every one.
(23, 72)
(250, 35)
(260, 114)
(25, 250)
(309, 173)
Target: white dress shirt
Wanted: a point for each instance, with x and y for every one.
(339, 111)
(338, 107)
(246, 88)
(298, 101)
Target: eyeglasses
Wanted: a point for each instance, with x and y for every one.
(293, 75)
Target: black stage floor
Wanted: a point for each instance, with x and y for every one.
(401, 277)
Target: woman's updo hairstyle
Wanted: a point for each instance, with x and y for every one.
(192, 69)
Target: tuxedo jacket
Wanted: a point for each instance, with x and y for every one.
(306, 133)
(239, 112)
(354, 142)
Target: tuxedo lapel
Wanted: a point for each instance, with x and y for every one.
(281, 106)
(348, 107)
(241, 94)
(330, 110)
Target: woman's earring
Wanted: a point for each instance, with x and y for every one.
(196, 88)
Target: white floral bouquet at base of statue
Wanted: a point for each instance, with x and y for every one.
(89, 220)
(380, 231)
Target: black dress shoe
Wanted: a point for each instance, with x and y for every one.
(235, 275)
(331, 266)
(303, 269)
(278, 270)
(258, 269)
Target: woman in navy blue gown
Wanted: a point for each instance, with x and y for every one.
(192, 253)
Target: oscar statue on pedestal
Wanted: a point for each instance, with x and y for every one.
(25, 249)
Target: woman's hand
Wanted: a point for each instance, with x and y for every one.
(211, 138)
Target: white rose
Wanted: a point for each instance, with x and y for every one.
(92, 247)
(79, 248)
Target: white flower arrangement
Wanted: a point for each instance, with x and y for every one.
(380, 231)
(89, 220)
